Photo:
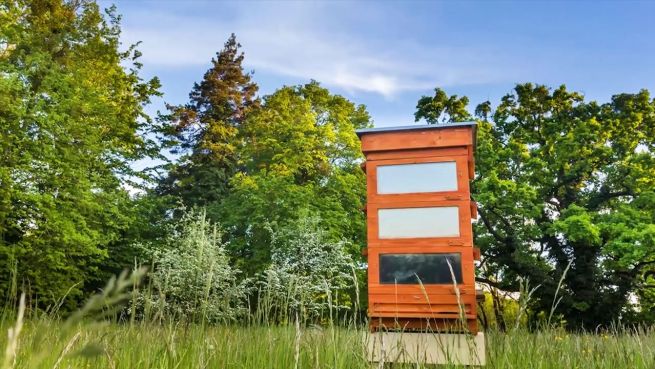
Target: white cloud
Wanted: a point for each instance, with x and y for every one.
(292, 41)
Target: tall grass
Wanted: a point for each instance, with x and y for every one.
(147, 345)
(275, 334)
(98, 336)
(95, 337)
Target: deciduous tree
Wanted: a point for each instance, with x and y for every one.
(300, 155)
(564, 181)
(71, 122)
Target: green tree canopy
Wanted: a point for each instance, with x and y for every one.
(71, 121)
(561, 180)
(442, 108)
(300, 154)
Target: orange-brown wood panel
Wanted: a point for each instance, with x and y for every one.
(426, 315)
(471, 162)
(418, 153)
(423, 298)
(397, 308)
(422, 324)
(414, 306)
(429, 289)
(419, 247)
(404, 140)
(379, 309)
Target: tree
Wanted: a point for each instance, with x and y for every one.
(206, 129)
(300, 153)
(561, 182)
(442, 108)
(151, 223)
(71, 121)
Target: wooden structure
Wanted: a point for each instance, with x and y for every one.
(420, 240)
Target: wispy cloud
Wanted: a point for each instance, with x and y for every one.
(291, 41)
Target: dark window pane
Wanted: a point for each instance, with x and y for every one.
(429, 268)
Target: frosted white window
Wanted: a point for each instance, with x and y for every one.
(418, 222)
(413, 178)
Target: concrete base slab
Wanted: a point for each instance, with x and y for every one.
(426, 348)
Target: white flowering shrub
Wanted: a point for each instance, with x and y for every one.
(192, 277)
(308, 275)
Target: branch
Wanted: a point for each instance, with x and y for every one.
(507, 224)
(605, 196)
(492, 284)
(490, 228)
(638, 266)
(483, 261)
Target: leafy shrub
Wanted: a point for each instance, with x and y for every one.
(192, 277)
(308, 276)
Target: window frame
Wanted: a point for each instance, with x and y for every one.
(462, 171)
(467, 284)
(455, 176)
(445, 235)
(448, 281)
(465, 231)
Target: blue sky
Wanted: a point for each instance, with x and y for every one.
(386, 55)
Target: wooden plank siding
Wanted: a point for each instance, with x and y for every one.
(416, 306)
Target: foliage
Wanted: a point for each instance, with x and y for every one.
(152, 223)
(442, 108)
(71, 122)
(206, 130)
(145, 346)
(300, 154)
(192, 277)
(308, 275)
(563, 180)
(498, 312)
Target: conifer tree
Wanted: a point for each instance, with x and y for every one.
(205, 130)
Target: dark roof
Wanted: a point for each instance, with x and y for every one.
(363, 131)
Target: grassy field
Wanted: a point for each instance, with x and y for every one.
(45, 343)
(91, 338)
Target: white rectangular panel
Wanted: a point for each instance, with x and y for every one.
(418, 222)
(416, 178)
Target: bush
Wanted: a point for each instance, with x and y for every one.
(309, 274)
(192, 277)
